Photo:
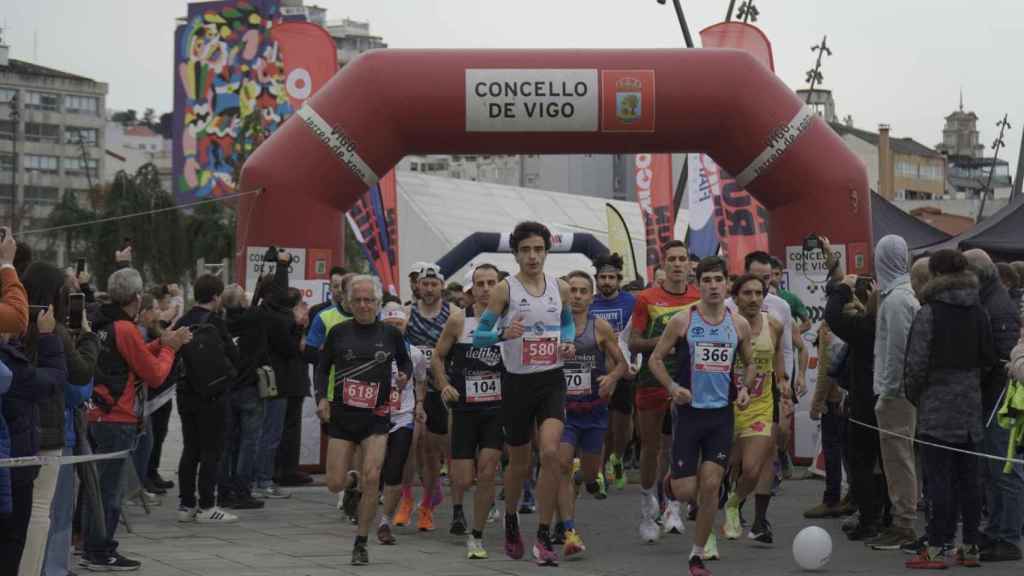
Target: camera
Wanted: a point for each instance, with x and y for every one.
(812, 243)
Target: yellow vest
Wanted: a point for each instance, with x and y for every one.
(331, 317)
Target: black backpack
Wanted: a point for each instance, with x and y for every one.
(206, 368)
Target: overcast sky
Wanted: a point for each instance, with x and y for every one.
(901, 62)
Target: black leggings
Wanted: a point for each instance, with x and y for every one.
(159, 421)
(399, 443)
(202, 433)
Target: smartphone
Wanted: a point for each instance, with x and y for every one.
(80, 266)
(811, 243)
(3, 233)
(76, 307)
(34, 312)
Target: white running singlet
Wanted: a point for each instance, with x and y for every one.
(537, 349)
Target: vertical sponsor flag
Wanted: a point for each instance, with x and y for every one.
(654, 193)
(703, 185)
(367, 227)
(310, 58)
(389, 203)
(742, 221)
(620, 242)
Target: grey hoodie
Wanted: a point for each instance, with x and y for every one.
(896, 310)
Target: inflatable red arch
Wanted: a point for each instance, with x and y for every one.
(390, 103)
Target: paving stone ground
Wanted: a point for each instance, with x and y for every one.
(306, 536)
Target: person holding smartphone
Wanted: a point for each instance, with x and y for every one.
(13, 298)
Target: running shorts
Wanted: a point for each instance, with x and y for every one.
(356, 426)
(622, 400)
(437, 413)
(528, 400)
(475, 430)
(399, 444)
(652, 398)
(586, 430)
(698, 432)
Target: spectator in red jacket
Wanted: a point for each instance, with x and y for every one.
(125, 361)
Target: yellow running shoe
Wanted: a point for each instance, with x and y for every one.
(573, 544)
(404, 512)
(475, 549)
(711, 548)
(732, 528)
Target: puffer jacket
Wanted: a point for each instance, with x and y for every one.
(81, 363)
(1004, 317)
(31, 385)
(5, 444)
(949, 352)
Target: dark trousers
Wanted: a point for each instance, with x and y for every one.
(954, 488)
(106, 437)
(833, 444)
(159, 421)
(287, 459)
(243, 424)
(14, 527)
(202, 433)
(869, 489)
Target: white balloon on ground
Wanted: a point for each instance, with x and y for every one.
(812, 548)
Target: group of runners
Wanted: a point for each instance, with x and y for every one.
(547, 369)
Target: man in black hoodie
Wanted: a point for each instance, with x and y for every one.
(854, 323)
(202, 417)
(1004, 492)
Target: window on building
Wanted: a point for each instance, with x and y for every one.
(75, 134)
(6, 129)
(76, 166)
(46, 164)
(43, 101)
(7, 162)
(6, 95)
(5, 194)
(35, 132)
(81, 104)
(906, 169)
(41, 195)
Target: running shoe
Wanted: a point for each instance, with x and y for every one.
(458, 527)
(602, 488)
(620, 474)
(929, 559)
(528, 505)
(186, 514)
(475, 549)
(558, 538)
(513, 539)
(916, 546)
(112, 562)
(494, 515)
(404, 512)
(573, 544)
(762, 534)
(969, 556)
(384, 535)
(697, 567)
(544, 553)
(360, 556)
(271, 492)
(672, 522)
(649, 530)
(350, 503)
(426, 519)
(711, 548)
(438, 496)
(215, 515)
(732, 528)
(609, 467)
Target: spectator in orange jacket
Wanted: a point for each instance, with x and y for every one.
(125, 361)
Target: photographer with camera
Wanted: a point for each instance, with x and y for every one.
(850, 313)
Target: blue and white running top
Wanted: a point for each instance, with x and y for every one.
(705, 363)
(537, 349)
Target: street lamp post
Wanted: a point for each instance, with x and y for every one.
(15, 116)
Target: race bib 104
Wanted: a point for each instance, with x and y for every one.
(483, 387)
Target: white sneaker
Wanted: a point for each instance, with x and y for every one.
(271, 492)
(215, 516)
(187, 514)
(649, 531)
(672, 520)
(341, 500)
(494, 515)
